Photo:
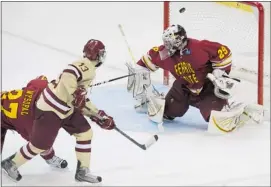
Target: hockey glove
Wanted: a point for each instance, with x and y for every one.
(224, 87)
(79, 98)
(103, 120)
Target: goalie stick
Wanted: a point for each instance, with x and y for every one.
(127, 44)
(226, 76)
(145, 146)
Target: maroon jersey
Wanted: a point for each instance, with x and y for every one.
(17, 107)
(192, 65)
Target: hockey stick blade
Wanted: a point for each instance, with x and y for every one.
(151, 141)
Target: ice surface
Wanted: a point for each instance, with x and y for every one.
(185, 153)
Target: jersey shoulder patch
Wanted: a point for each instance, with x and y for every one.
(156, 49)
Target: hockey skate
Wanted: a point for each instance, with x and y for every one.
(10, 169)
(57, 162)
(83, 175)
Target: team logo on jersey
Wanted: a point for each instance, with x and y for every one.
(187, 51)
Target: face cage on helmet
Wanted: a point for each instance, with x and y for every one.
(173, 44)
(101, 57)
(169, 43)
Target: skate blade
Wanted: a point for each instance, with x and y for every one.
(7, 176)
(60, 169)
(79, 183)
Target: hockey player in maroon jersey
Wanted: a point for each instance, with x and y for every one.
(201, 69)
(63, 104)
(17, 114)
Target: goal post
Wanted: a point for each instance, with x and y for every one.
(199, 17)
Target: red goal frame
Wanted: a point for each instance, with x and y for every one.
(260, 8)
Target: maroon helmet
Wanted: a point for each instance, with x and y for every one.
(95, 50)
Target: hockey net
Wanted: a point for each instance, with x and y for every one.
(239, 25)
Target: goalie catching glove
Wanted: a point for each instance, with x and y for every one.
(147, 98)
(224, 86)
(103, 120)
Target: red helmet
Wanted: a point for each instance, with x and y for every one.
(95, 50)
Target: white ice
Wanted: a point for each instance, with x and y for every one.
(185, 153)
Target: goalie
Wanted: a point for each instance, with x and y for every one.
(201, 69)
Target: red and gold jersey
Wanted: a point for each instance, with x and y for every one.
(191, 65)
(17, 106)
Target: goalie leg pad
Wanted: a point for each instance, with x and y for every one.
(254, 112)
(222, 122)
(156, 106)
(141, 104)
(235, 116)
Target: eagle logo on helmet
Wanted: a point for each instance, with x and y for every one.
(94, 50)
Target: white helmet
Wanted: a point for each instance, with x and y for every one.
(174, 38)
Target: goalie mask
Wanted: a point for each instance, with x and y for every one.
(174, 38)
(94, 50)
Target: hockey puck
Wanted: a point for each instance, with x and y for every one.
(182, 10)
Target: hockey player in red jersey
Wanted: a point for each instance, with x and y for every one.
(63, 104)
(17, 114)
(201, 69)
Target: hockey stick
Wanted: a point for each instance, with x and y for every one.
(226, 76)
(127, 44)
(104, 82)
(145, 146)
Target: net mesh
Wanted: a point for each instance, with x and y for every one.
(232, 24)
